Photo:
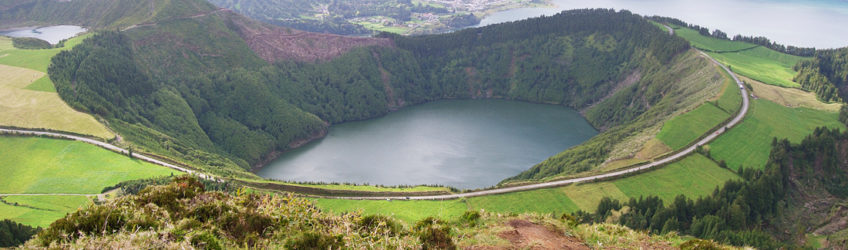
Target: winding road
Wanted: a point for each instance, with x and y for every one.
(679, 155)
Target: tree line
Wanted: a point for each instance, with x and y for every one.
(826, 74)
(14, 234)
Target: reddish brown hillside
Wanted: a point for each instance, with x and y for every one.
(277, 43)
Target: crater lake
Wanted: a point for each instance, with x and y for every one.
(460, 143)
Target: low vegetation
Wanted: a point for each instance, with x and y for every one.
(693, 176)
(28, 97)
(801, 190)
(45, 166)
(749, 143)
(41, 210)
(762, 64)
(684, 129)
(183, 215)
(748, 59)
(790, 97)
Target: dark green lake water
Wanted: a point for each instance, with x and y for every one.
(459, 143)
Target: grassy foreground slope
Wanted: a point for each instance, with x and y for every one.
(51, 166)
(693, 176)
(749, 143)
(28, 98)
(194, 218)
(39, 165)
(751, 60)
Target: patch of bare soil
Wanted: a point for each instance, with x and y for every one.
(274, 43)
(527, 235)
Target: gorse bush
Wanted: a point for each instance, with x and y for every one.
(182, 213)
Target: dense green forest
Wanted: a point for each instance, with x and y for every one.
(190, 89)
(32, 43)
(768, 204)
(14, 234)
(826, 75)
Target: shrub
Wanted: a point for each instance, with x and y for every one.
(699, 244)
(245, 225)
(206, 240)
(313, 240)
(95, 219)
(433, 234)
(377, 223)
(470, 218)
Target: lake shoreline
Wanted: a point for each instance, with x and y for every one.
(381, 165)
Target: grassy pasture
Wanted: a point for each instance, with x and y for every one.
(682, 130)
(710, 43)
(790, 97)
(731, 98)
(762, 64)
(749, 143)
(757, 62)
(693, 176)
(40, 211)
(408, 211)
(40, 165)
(541, 200)
(28, 98)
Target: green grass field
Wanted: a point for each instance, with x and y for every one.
(684, 129)
(693, 176)
(408, 211)
(33, 59)
(710, 43)
(760, 63)
(40, 211)
(749, 143)
(547, 200)
(29, 99)
(40, 165)
(731, 98)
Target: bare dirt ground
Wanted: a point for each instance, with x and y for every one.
(527, 235)
(273, 43)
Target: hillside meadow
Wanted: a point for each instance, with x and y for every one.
(751, 60)
(33, 165)
(41, 165)
(749, 143)
(29, 99)
(693, 176)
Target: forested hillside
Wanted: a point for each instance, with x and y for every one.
(800, 196)
(826, 74)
